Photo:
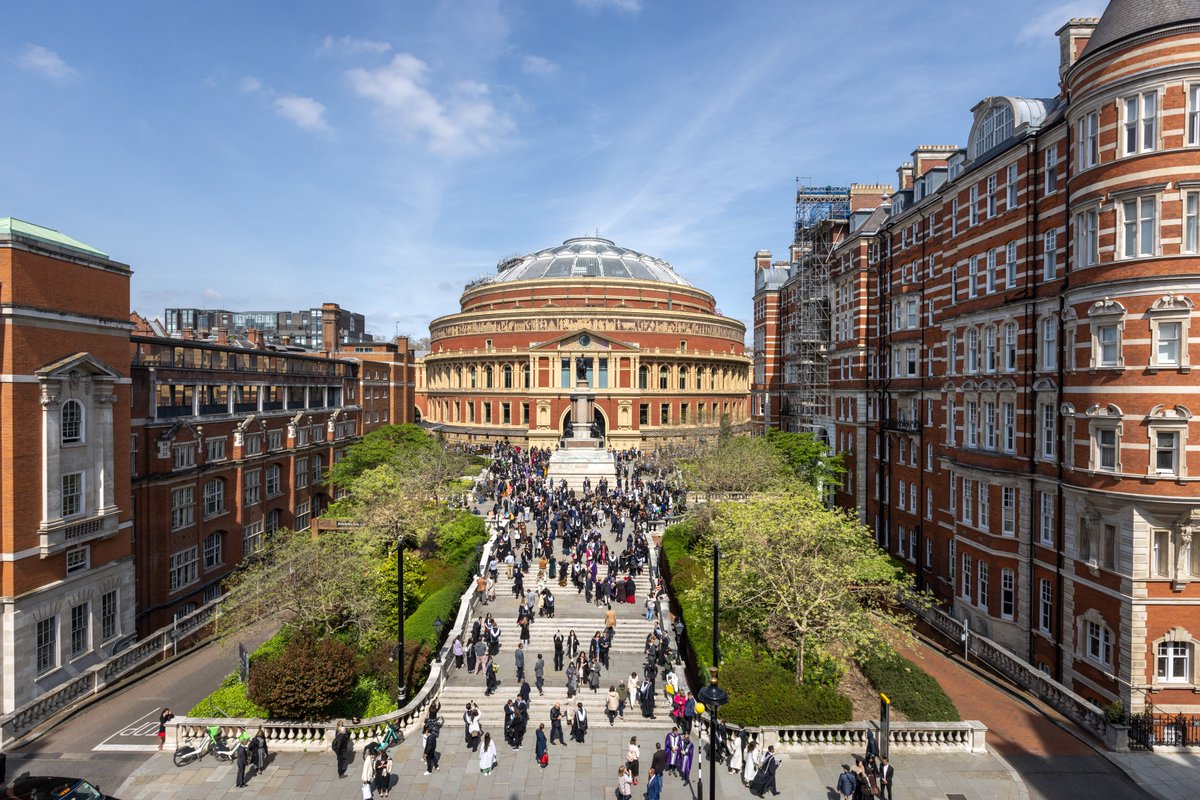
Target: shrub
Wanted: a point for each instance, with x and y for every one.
(458, 537)
(443, 604)
(366, 699)
(912, 690)
(305, 680)
(761, 692)
(1114, 713)
(377, 664)
(228, 701)
(437, 575)
(273, 646)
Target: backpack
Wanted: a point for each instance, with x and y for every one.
(545, 759)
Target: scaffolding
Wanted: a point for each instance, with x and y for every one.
(821, 214)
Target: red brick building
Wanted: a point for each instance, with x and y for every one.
(1010, 363)
(66, 557)
(665, 365)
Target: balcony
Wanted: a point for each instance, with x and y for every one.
(58, 535)
(902, 424)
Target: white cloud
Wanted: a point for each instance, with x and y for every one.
(36, 58)
(303, 111)
(212, 294)
(350, 46)
(461, 122)
(536, 65)
(628, 6)
(1040, 28)
(250, 85)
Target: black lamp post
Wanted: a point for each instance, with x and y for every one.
(398, 653)
(712, 695)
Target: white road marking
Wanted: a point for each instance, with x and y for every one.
(139, 727)
(125, 748)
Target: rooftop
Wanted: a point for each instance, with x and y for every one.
(587, 257)
(1125, 18)
(11, 226)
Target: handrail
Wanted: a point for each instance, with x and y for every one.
(98, 679)
(306, 735)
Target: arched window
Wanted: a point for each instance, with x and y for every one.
(699, 377)
(972, 351)
(662, 378)
(214, 550)
(989, 349)
(683, 378)
(995, 127)
(643, 377)
(271, 523)
(71, 422)
(471, 372)
(487, 377)
(525, 377)
(508, 383)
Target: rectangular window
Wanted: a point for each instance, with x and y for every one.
(1099, 642)
(953, 494)
(184, 568)
(929, 504)
(524, 413)
(303, 515)
(81, 629)
(664, 414)
(1106, 449)
(984, 490)
(251, 487)
(213, 546)
(1008, 510)
(972, 276)
(1010, 188)
(1089, 140)
(1046, 521)
(110, 621)
(968, 512)
(1161, 557)
(972, 423)
(1008, 593)
(72, 494)
(46, 645)
(1174, 662)
(1193, 114)
(253, 443)
(1009, 413)
(214, 449)
(275, 440)
(1049, 343)
(252, 537)
(954, 217)
(1110, 556)
(1167, 351)
(1010, 265)
(1046, 607)
(78, 559)
(966, 576)
(1047, 430)
(1166, 452)
(184, 455)
(990, 275)
(214, 497)
(644, 414)
(991, 196)
(1087, 237)
(973, 206)
(1052, 169)
(1049, 254)
(301, 473)
(1141, 123)
(1108, 345)
(183, 507)
(1191, 222)
(982, 580)
(1139, 226)
(989, 425)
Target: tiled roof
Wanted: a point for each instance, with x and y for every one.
(1125, 18)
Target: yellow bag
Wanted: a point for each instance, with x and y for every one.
(670, 689)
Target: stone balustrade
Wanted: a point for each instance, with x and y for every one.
(912, 737)
(101, 678)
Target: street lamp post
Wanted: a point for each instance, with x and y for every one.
(712, 695)
(401, 692)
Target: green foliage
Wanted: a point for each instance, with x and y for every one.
(761, 692)
(737, 465)
(381, 446)
(458, 537)
(228, 701)
(1114, 713)
(807, 457)
(912, 690)
(378, 664)
(367, 699)
(306, 680)
(272, 647)
(443, 603)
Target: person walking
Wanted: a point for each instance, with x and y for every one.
(622, 698)
(539, 674)
(558, 651)
(846, 783)
(750, 769)
(258, 751)
(887, 774)
(735, 751)
(872, 752)
(487, 755)
(459, 652)
(764, 779)
(163, 718)
(579, 723)
(519, 659)
(687, 753)
(611, 703)
(368, 771)
(624, 784)
(539, 747)
(343, 748)
(383, 773)
(556, 725)
(241, 757)
(654, 785)
(633, 757)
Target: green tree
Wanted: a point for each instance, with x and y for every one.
(801, 577)
(737, 465)
(305, 680)
(807, 457)
(381, 446)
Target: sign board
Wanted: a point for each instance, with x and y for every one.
(243, 663)
(324, 524)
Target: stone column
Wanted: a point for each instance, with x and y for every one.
(105, 490)
(50, 451)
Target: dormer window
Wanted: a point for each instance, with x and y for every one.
(71, 422)
(995, 128)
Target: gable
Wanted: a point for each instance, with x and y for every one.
(582, 340)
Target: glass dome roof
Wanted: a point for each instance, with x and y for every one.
(587, 257)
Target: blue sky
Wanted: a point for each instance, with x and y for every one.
(381, 154)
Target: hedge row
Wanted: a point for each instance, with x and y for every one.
(761, 692)
(912, 690)
(418, 627)
(230, 700)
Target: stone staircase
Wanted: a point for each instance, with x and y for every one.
(572, 612)
(575, 464)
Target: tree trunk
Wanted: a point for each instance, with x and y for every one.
(800, 662)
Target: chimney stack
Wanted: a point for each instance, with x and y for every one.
(1072, 38)
(762, 259)
(255, 337)
(222, 335)
(329, 315)
(904, 176)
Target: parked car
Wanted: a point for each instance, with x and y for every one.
(45, 788)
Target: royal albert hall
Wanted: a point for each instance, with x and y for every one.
(663, 365)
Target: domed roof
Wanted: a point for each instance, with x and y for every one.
(587, 257)
(1125, 18)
